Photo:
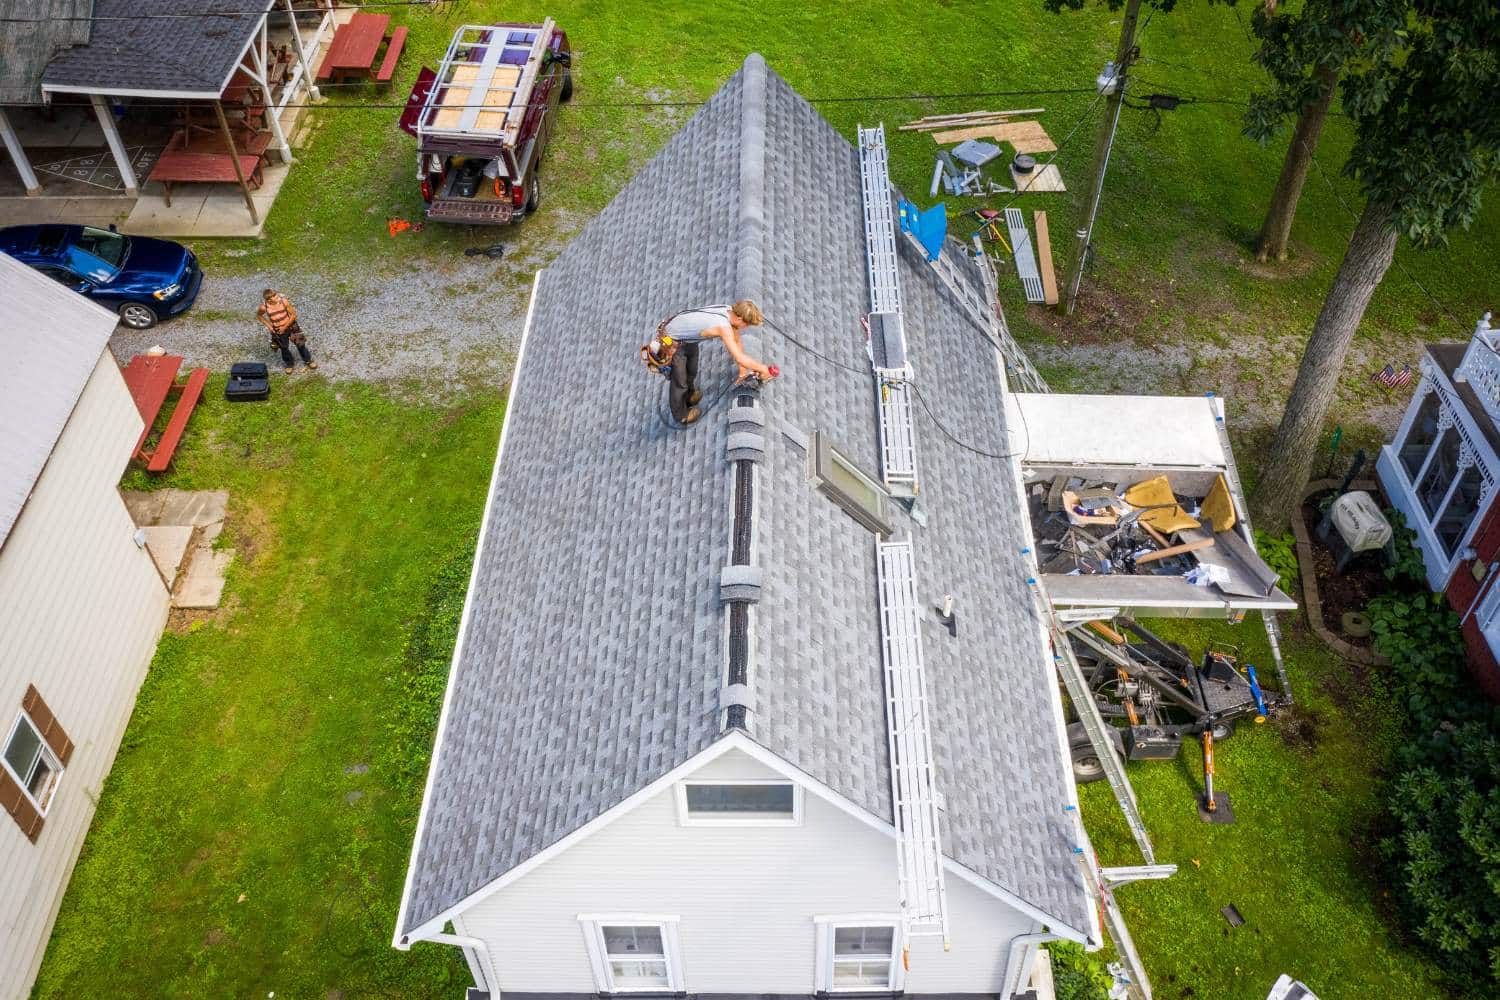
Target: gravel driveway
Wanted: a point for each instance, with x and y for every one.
(434, 326)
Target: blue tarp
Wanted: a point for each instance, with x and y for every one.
(929, 227)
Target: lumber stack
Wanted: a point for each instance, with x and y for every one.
(937, 123)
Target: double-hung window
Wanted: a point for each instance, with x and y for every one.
(633, 953)
(31, 762)
(859, 954)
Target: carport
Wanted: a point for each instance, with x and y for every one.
(150, 54)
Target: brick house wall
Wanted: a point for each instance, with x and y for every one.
(1461, 592)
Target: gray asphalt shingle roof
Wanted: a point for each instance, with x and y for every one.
(594, 655)
(133, 49)
(40, 29)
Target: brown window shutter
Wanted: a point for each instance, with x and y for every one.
(14, 801)
(51, 729)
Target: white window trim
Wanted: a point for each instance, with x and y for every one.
(685, 818)
(46, 751)
(593, 937)
(826, 925)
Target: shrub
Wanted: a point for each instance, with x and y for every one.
(1077, 975)
(1280, 553)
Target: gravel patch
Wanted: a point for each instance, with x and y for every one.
(434, 326)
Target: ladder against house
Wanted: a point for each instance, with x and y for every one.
(898, 443)
(923, 895)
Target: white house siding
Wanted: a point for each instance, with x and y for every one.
(745, 896)
(81, 608)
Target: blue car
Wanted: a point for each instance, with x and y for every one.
(142, 279)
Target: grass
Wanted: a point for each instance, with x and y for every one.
(1298, 863)
(253, 834)
(353, 514)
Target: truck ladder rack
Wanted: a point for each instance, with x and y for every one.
(919, 847)
(898, 442)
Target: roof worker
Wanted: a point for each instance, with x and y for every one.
(676, 347)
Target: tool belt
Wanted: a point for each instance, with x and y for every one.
(658, 354)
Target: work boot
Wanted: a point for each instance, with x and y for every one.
(694, 398)
(692, 416)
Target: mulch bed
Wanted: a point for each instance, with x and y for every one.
(1349, 591)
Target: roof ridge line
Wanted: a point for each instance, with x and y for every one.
(749, 270)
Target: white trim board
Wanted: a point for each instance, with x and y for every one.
(400, 940)
(731, 741)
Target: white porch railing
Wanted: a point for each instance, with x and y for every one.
(1481, 367)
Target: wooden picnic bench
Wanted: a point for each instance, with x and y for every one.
(356, 45)
(151, 379)
(182, 167)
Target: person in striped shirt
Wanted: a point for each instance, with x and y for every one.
(277, 314)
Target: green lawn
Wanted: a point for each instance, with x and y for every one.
(253, 834)
(354, 513)
(1298, 863)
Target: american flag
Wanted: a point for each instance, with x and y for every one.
(1393, 379)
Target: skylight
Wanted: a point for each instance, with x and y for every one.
(843, 483)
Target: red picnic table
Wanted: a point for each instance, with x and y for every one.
(151, 379)
(183, 162)
(355, 46)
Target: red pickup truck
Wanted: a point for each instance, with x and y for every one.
(482, 120)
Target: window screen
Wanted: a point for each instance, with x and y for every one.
(637, 956)
(862, 956)
(32, 763)
(770, 800)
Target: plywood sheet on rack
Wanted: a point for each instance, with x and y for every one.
(1025, 137)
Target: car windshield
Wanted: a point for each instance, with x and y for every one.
(102, 244)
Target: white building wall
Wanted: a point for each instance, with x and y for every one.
(81, 608)
(745, 896)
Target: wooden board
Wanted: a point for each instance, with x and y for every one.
(459, 94)
(1026, 137)
(1044, 257)
(1042, 179)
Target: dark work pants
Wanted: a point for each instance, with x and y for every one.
(284, 344)
(684, 379)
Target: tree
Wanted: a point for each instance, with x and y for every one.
(1427, 140)
(1305, 53)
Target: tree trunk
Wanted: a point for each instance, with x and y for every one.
(1277, 229)
(1285, 473)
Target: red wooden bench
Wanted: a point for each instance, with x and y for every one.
(203, 168)
(392, 55)
(188, 395)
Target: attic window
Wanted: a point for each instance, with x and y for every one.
(739, 803)
(842, 482)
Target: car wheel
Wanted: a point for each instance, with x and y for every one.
(137, 315)
(567, 85)
(1086, 764)
(533, 192)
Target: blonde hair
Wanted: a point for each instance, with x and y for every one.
(748, 312)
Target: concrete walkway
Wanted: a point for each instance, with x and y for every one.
(181, 527)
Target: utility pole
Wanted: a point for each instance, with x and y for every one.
(1124, 56)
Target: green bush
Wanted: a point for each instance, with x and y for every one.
(1077, 975)
(1280, 553)
(1443, 805)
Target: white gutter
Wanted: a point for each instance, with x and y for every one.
(482, 951)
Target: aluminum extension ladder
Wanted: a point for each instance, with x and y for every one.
(898, 440)
(919, 846)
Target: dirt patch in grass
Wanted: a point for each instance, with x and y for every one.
(1299, 727)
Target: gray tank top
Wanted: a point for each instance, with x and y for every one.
(688, 327)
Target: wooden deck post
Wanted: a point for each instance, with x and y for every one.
(234, 157)
(116, 147)
(18, 156)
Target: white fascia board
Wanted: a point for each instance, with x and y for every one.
(105, 91)
(463, 625)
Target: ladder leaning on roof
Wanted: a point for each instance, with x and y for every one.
(898, 443)
(919, 845)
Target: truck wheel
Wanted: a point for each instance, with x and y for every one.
(533, 192)
(567, 86)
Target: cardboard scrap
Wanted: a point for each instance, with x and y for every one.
(1026, 137)
(1042, 179)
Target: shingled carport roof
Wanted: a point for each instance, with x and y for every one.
(34, 32)
(139, 48)
(591, 660)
